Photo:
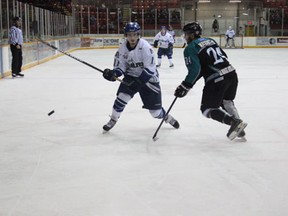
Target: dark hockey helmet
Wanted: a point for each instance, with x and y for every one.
(193, 28)
(132, 27)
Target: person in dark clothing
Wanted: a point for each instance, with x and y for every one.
(204, 58)
(215, 25)
(16, 42)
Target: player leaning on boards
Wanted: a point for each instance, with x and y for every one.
(204, 58)
(135, 60)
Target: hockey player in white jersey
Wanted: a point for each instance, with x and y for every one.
(165, 42)
(135, 61)
(230, 34)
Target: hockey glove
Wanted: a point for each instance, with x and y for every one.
(182, 89)
(170, 45)
(155, 43)
(111, 75)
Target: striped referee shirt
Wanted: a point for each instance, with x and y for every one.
(15, 36)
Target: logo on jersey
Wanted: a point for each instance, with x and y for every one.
(132, 64)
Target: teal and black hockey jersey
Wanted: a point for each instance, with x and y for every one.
(204, 58)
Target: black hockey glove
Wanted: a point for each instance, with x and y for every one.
(155, 43)
(170, 45)
(182, 89)
(110, 75)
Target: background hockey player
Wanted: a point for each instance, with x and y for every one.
(204, 58)
(135, 60)
(230, 34)
(165, 42)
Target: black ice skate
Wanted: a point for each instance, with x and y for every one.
(109, 125)
(169, 119)
(237, 126)
(158, 65)
(14, 75)
(171, 66)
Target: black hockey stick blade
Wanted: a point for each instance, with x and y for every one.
(155, 138)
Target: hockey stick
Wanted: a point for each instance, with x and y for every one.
(155, 134)
(77, 59)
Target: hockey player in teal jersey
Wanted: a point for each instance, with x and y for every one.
(204, 58)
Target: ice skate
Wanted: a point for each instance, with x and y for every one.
(171, 66)
(169, 119)
(109, 125)
(158, 65)
(14, 75)
(237, 126)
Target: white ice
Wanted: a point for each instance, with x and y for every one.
(62, 165)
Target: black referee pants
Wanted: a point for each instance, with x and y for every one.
(17, 59)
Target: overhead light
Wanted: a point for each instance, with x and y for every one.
(204, 1)
(245, 14)
(234, 1)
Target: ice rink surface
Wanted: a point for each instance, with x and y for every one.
(62, 164)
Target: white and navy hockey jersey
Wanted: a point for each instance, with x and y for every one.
(164, 40)
(134, 62)
(230, 33)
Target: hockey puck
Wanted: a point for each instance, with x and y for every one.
(50, 113)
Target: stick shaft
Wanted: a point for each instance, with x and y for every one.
(77, 59)
(157, 130)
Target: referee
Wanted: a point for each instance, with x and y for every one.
(16, 41)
